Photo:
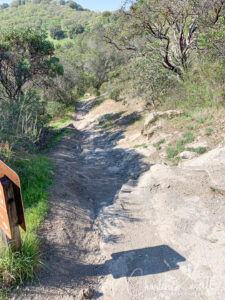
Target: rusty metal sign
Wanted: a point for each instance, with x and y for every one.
(4, 222)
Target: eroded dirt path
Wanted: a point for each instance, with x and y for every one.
(89, 173)
(128, 228)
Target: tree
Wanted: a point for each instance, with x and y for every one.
(100, 59)
(74, 5)
(106, 14)
(15, 3)
(25, 56)
(75, 29)
(4, 5)
(56, 32)
(165, 30)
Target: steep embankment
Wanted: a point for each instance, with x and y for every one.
(125, 225)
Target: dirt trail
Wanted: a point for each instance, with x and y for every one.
(127, 228)
(86, 180)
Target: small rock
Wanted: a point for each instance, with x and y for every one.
(163, 155)
(86, 294)
(187, 155)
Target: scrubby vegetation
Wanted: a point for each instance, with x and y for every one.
(171, 53)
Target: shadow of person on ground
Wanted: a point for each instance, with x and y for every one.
(137, 262)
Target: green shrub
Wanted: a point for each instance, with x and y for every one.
(200, 120)
(141, 146)
(202, 87)
(55, 109)
(171, 153)
(192, 127)
(189, 137)
(115, 94)
(180, 145)
(208, 131)
(199, 150)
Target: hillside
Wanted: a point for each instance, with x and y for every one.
(114, 122)
(45, 15)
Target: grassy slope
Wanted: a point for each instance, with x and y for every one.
(35, 172)
(202, 88)
(201, 97)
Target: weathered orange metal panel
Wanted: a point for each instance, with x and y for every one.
(4, 220)
(11, 175)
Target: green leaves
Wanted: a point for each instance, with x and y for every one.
(26, 59)
(26, 55)
(54, 67)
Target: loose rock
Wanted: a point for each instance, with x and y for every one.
(187, 155)
(86, 294)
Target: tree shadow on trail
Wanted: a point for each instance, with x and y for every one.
(108, 168)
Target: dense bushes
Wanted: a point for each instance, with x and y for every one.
(115, 93)
(167, 43)
(202, 87)
(26, 62)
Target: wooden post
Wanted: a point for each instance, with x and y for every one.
(15, 241)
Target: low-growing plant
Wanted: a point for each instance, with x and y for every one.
(106, 124)
(189, 137)
(35, 173)
(158, 144)
(141, 146)
(200, 120)
(115, 94)
(171, 153)
(16, 267)
(192, 128)
(199, 150)
(176, 161)
(208, 131)
(180, 145)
